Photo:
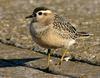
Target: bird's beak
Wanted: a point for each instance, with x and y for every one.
(33, 18)
(30, 16)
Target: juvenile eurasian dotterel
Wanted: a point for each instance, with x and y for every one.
(51, 31)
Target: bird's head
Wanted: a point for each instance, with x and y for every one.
(41, 15)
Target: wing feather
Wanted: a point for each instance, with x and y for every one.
(64, 27)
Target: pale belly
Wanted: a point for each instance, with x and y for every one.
(50, 40)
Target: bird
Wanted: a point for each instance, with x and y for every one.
(52, 31)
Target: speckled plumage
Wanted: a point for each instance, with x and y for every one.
(64, 27)
(50, 30)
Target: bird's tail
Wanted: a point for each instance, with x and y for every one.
(84, 34)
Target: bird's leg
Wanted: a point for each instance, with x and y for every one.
(49, 53)
(62, 57)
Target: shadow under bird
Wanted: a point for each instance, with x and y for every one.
(52, 31)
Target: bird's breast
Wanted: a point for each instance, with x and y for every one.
(46, 37)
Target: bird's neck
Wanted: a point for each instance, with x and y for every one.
(37, 28)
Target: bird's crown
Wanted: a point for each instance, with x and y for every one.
(40, 9)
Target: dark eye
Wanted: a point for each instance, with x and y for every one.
(40, 13)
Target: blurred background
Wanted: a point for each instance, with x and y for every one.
(83, 14)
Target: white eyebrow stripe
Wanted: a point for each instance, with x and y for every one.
(47, 11)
